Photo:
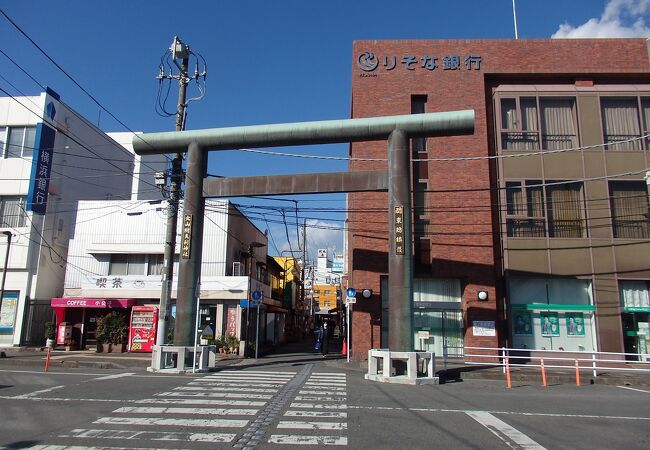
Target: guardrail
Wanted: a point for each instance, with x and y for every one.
(559, 359)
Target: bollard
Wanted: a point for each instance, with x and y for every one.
(543, 373)
(507, 367)
(47, 359)
(577, 373)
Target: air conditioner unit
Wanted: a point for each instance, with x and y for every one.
(237, 269)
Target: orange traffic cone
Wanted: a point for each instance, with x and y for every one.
(344, 350)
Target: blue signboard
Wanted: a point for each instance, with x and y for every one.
(351, 292)
(39, 181)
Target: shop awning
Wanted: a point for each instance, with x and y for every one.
(81, 302)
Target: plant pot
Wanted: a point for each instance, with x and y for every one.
(107, 348)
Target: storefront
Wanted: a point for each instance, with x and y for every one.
(635, 317)
(552, 314)
(76, 318)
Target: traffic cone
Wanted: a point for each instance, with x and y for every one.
(344, 350)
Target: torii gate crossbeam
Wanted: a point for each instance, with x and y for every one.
(396, 129)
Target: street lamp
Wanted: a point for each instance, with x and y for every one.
(4, 272)
(251, 246)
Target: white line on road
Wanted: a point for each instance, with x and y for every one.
(35, 393)
(224, 389)
(319, 414)
(263, 372)
(216, 423)
(288, 439)
(195, 411)
(321, 392)
(317, 398)
(197, 401)
(319, 405)
(79, 447)
(214, 395)
(634, 389)
(113, 377)
(233, 384)
(296, 425)
(150, 435)
(511, 436)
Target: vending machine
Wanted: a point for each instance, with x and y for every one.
(144, 324)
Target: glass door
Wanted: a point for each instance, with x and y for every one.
(438, 331)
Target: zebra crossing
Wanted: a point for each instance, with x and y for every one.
(232, 407)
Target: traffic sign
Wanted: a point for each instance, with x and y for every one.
(351, 293)
(257, 295)
(350, 300)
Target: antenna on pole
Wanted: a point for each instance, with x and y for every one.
(514, 17)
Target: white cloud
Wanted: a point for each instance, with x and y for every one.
(621, 19)
(320, 234)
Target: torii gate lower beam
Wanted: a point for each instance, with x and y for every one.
(397, 129)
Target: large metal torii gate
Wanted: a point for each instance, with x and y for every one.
(396, 129)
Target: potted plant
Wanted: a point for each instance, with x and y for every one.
(112, 331)
(231, 343)
(50, 333)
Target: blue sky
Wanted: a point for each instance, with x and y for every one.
(268, 62)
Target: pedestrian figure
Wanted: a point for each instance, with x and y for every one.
(324, 338)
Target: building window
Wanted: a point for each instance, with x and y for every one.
(123, 264)
(622, 121)
(629, 203)
(155, 264)
(556, 211)
(12, 212)
(533, 123)
(17, 142)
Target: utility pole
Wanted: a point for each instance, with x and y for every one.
(180, 52)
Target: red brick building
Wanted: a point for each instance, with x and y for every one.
(537, 212)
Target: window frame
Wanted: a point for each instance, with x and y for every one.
(640, 186)
(540, 135)
(524, 211)
(23, 152)
(642, 122)
(21, 220)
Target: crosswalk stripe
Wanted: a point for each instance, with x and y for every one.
(196, 401)
(316, 398)
(196, 411)
(288, 439)
(240, 384)
(319, 405)
(321, 392)
(334, 374)
(317, 414)
(150, 435)
(320, 388)
(264, 372)
(80, 447)
(224, 389)
(217, 423)
(299, 425)
(214, 395)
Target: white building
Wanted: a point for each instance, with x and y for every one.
(51, 158)
(116, 253)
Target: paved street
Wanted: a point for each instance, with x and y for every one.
(309, 401)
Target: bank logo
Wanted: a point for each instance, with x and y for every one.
(367, 61)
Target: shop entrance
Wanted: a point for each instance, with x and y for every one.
(636, 335)
(439, 331)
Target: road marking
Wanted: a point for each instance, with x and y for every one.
(224, 389)
(79, 447)
(113, 377)
(196, 401)
(35, 393)
(321, 414)
(321, 392)
(288, 439)
(634, 389)
(263, 372)
(240, 384)
(312, 425)
(197, 411)
(214, 395)
(335, 374)
(316, 398)
(150, 435)
(319, 405)
(322, 388)
(512, 413)
(216, 423)
(511, 436)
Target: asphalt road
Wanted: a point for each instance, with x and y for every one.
(308, 403)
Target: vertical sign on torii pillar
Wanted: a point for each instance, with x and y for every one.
(397, 129)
